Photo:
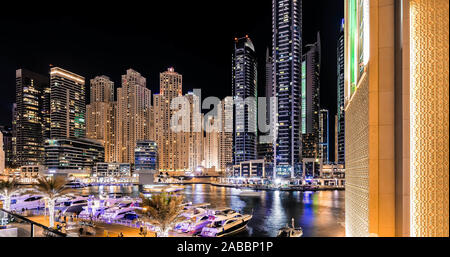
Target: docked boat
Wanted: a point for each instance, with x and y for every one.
(72, 205)
(120, 210)
(196, 218)
(290, 231)
(250, 192)
(27, 202)
(98, 207)
(226, 225)
(75, 184)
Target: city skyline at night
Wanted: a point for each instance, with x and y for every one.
(274, 118)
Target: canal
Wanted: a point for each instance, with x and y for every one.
(320, 213)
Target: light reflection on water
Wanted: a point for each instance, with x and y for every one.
(319, 213)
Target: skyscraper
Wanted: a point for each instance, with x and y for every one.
(269, 87)
(211, 147)
(310, 99)
(244, 87)
(168, 141)
(287, 58)
(133, 114)
(340, 125)
(396, 118)
(7, 145)
(226, 134)
(67, 104)
(324, 136)
(29, 118)
(100, 116)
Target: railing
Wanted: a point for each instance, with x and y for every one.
(17, 225)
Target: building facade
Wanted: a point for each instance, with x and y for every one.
(310, 99)
(168, 141)
(101, 120)
(396, 86)
(7, 145)
(146, 156)
(226, 134)
(72, 155)
(340, 122)
(29, 119)
(105, 169)
(133, 115)
(324, 137)
(244, 87)
(67, 104)
(287, 60)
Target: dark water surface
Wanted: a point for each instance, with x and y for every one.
(320, 214)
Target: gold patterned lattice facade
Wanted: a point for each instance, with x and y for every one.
(357, 163)
(429, 93)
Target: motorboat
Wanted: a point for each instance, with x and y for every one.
(222, 211)
(72, 205)
(196, 218)
(27, 202)
(162, 188)
(120, 210)
(195, 224)
(290, 231)
(226, 225)
(250, 193)
(98, 207)
(75, 184)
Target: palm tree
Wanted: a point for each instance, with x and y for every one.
(7, 189)
(52, 189)
(163, 211)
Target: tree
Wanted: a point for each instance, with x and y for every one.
(7, 189)
(163, 211)
(52, 189)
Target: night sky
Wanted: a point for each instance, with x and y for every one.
(194, 37)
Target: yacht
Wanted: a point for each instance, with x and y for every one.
(98, 207)
(226, 225)
(75, 184)
(27, 202)
(120, 210)
(290, 231)
(72, 205)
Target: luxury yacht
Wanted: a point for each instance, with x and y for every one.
(72, 205)
(27, 202)
(226, 225)
(120, 210)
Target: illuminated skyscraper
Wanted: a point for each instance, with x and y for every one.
(168, 141)
(287, 59)
(310, 98)
(396, 118)
(67, 104)
(101, 116)
(212, 147)
(226, 134)
(340, 125)
(29, 118)
(245, 89)
(324, 136)
(133, 114)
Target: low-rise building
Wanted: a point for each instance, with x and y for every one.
(104, 169)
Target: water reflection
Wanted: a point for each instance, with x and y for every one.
(318, 213)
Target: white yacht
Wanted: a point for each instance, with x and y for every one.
(27, 202)
(72, 205)
(225, 225)
(120, 210)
